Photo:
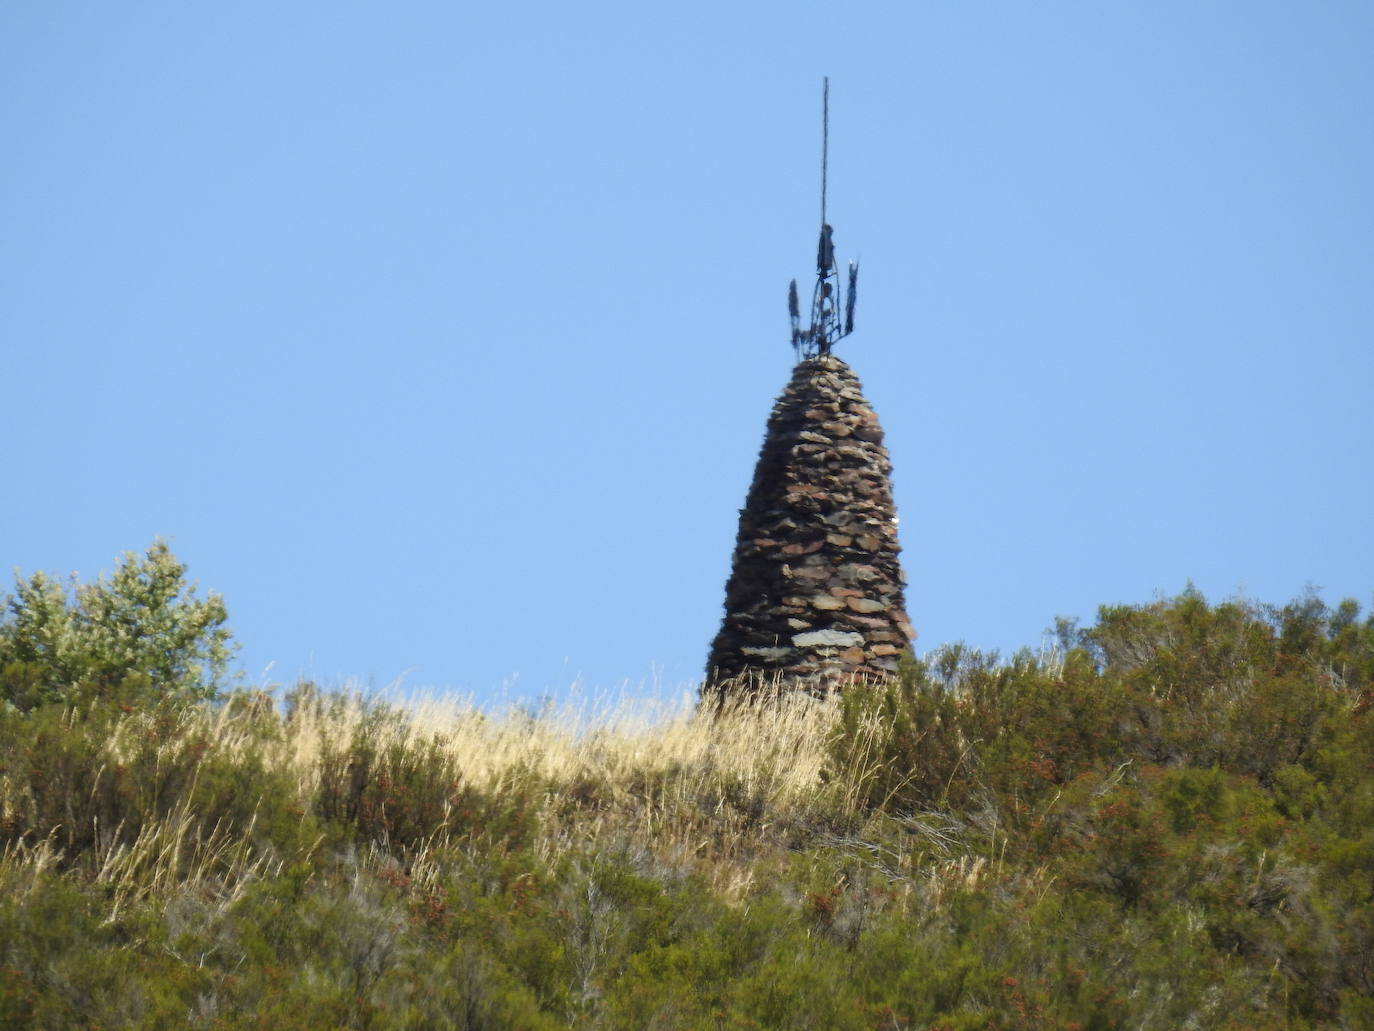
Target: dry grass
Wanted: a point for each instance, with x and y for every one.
(678, 786)
(685, 788)
(177, 851)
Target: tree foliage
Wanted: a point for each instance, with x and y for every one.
(136, 637)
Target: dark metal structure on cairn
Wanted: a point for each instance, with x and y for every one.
(815, 594)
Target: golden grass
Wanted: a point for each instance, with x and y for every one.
(706, 791)
(697, 790)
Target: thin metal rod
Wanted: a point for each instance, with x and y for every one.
(825, 141)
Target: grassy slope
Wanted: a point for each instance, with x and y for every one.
(1168, 825)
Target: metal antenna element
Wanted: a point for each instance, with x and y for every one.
(825, 141)
(826, 328)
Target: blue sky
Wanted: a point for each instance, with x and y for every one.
(440, 338)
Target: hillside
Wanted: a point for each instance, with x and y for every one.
(1166, 822)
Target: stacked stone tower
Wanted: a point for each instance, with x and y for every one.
(815, 594)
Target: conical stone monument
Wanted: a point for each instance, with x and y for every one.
(815, 595)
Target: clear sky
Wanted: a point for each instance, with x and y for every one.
(440, 337)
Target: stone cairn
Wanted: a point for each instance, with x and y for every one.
(815, 595)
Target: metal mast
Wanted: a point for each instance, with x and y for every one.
(826, 328)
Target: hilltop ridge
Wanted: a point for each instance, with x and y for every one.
(1163, 822)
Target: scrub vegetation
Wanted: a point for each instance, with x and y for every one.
(1165, 821)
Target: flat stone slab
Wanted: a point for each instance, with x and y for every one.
(771, 654)
(827, 639)
(865, 605)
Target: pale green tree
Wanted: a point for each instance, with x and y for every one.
(138, 636)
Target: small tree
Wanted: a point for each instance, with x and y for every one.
(140, 636)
